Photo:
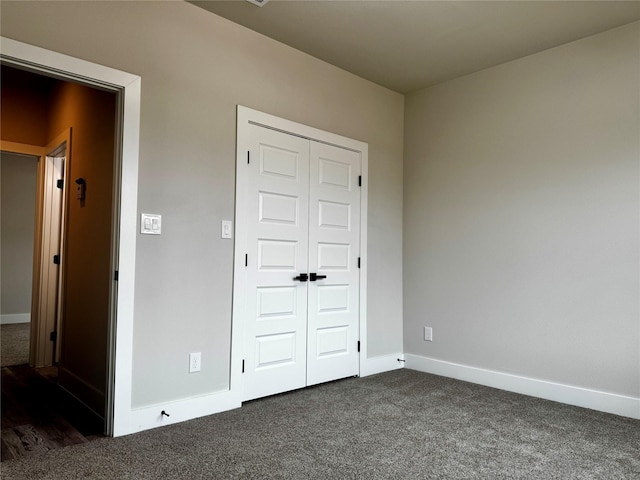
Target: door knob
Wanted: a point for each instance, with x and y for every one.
(303, 277)
(315, 277)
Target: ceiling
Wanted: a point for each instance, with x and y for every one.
(409, 45)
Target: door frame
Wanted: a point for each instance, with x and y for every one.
(246, 117)
(43, 307)
(47, 289)
(127, 87)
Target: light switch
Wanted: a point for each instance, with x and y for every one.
(227, 229)
(150, 224)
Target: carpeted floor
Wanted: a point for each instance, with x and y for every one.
(396, 425)
(14, 344)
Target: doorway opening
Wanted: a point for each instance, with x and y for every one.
(119, 414)
(18, 175)
(73, 244)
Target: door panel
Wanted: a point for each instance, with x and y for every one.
(276, 324)
(334, 238)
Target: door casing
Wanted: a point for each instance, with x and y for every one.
(245, 117)
(119, 413)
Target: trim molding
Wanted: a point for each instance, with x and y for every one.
(384, 363)
(557, 392)
(15, 318)
(149, 417)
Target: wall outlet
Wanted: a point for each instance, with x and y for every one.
(428, 334)
(195, 362)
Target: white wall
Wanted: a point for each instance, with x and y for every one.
(521, 217)
(18, 173)
(195, 68)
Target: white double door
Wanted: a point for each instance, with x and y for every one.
(302, 265)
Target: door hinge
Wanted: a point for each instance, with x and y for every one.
(242, 365)
(359, 180)
(246, 259)
(358, 345)
(56, 259)
(248, 158)
(358, 262)
(60, 184)
(116, 275)
(53, 336)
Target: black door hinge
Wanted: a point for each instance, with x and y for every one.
(60, 183)
(53, 336)
(56, 259)
(359, 180)
(116, 275)
(243, 366)
(246, 259)
(358, 262)
(358, 345)
(248, 158)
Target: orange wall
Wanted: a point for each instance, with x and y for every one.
(91, 115)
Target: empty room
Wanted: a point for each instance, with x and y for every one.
(318, 239)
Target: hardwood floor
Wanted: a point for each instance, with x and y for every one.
(38, 415)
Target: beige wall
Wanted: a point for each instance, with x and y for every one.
(195, 68)
(521, 218)
(18, 205)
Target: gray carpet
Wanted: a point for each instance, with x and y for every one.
(14, 344)
(396, 425)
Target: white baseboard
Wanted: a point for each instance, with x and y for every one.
(580, 397)
(15, 318)
(385, 363)
(146, 418)
(149, 417)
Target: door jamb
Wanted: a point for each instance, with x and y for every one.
(45, 354)
(245, 117)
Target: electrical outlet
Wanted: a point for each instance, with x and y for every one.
(195, 362)
(428, 334)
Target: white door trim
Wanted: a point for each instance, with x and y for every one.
(127, 86)
(247, 116)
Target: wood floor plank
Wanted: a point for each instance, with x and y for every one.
(61, 433)
(32, 439)
(11, 445)
(38, 416)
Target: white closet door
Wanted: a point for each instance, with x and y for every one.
(276, 310)
(334, 239)
(302, 311)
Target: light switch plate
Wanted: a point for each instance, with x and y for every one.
(226, 229)
(150, 224)
(428, 334)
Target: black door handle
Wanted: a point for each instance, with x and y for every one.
(303, 277)
(315, 277)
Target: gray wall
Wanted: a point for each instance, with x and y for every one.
(521, 220)
(195, 68)
(18, 205)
